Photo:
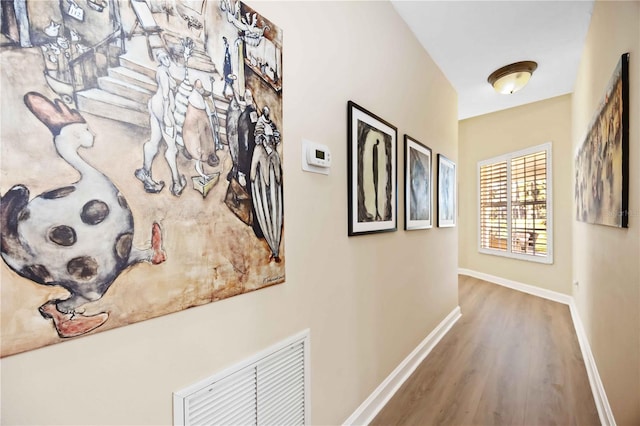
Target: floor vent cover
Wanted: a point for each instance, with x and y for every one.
(270, 388)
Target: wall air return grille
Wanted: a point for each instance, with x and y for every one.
(271, 388)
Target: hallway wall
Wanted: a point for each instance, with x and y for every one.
(502, 132)
(606, 260)
(368, 300)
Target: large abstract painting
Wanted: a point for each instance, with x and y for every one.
(141, 162)
(602, 161)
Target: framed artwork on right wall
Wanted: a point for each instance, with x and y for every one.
(446, 192)
(601, 189)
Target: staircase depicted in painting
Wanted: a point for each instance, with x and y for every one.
(124, 92)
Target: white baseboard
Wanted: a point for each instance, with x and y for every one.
(383, 393)
(515, 285)
(597, 388)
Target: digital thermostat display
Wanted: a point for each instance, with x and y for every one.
(315, 157)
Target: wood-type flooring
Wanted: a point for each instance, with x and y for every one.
(512, 359)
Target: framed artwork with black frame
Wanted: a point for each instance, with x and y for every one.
(601, 189)
(372, 175)
(417, 185)
(446, 192)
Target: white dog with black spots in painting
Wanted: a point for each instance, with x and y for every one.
(79, 236)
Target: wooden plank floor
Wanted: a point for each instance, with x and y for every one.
(512, 359)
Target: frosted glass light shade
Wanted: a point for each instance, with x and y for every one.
(513, 77)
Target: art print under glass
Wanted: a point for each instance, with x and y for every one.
(602, 162)
(372, 150)
(141, 162)
(417, 181)
(446, 192)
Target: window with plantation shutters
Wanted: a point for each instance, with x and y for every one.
(493, 206)
(515, 213)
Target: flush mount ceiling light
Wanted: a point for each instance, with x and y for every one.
(511, 78)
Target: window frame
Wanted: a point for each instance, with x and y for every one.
(548, 258)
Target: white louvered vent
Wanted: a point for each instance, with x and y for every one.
(271, 388)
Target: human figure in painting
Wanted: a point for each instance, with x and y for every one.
(240, 125)
(162, 127)
(79, 236)
(226, 69)
(233, 117)
(198, 132)
(246, 138)
(375, 179)
(183, 91)
(374, 191)
(266, 183)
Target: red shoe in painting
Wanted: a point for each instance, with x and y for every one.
(71, 325)
(159, 254)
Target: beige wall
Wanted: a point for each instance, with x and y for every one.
(607, 260)
(490, 135)
(368, 300)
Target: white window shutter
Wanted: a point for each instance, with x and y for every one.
(516, 205)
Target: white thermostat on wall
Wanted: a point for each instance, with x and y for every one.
(316, 158)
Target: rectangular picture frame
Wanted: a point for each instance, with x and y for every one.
(601, 190)
(372, 172)
(447, 209)
(418, 185)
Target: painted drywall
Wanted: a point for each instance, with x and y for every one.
(607, 260)
(498, 133)
(368, 300)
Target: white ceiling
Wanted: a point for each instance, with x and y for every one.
(471, 39)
